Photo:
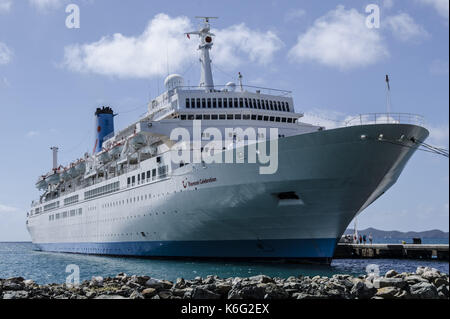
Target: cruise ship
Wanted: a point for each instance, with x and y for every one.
(252, 181)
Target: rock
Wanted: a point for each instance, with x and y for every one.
(180, 283)
(158, 284)
(414, 279)
(165, 294)
(136, 295)
(148, 293)
(388, 282)
(261, 279)
(247, 292)
(443, 291)
(273, 291)
(440, 281)
(29, 282)
(13, 284)
(423, 290)
(431, 275)
(223, 288)
(110, 297)
(391, 273)
(20, 294)
(388, 292)
(200, 293)
(363, 290)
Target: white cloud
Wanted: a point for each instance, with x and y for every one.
(32, 134)
(162, 43)
(237, 44)
(404, 28)
(5, 54)
(441, 6)
(439, 67)
(294, 14)
(7, 209)
(46, 4)
(5, 5)
(340, 39)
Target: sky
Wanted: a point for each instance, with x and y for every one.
(53, 77)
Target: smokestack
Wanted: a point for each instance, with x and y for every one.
(104, 126)
(55, 157)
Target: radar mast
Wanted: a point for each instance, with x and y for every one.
(206, 43)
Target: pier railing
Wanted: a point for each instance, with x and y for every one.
(386, 118)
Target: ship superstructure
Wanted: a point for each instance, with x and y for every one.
(131, 197)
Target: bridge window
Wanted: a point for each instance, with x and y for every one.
(222, 117)
(272, 118)
(220, 103)
(283, 120)
(267, 104)
(241, 102)
(206, 117)
(254, 117)
(266, 118)
(209, 103)
(215, 103)
(289, 120)
(214, 117)
(246, 117)
(246, 102)
(203, 103)
(259, 104)
(225, 102)
(198, 116)
(277, 119)
(183, 117)
(260, 118)
(198, 103)
(254, 104)
(149, 175)
(271, 105)
(279, 106)
(191, 117)
(237, 116)
(287, 107)
(188, 104)
(229, 116)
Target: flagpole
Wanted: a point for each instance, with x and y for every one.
(388, 97)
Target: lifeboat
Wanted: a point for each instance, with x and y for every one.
(137, 141)
(72, 170)
(80, 168)
(41, 184)
(104, 156)
(65, 176)
(116, 150)
(53, 177)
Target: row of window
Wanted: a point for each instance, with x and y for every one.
(71, 200)
(247, 117)
(237, 103)
(51, 206)
(148, 176)
(100, 191)
(71, 213)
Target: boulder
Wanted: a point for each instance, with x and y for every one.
(388, 282)
(388, 292)
(148, 293)
(19, 294)
(363, 290)
(110, 297)
(200, 293)
(423, 290)
(391, 273)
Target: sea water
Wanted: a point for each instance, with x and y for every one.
(21, 260)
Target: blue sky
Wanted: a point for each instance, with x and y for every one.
(52, 78)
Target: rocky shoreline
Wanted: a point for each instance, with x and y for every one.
(425, 283)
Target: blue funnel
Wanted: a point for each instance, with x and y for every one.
(104, 126)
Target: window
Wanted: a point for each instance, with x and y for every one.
(222, 117)
(214, 117)
(272, 118)
(203, 103)
(283, 106)
(253, 117)
(259, 104)
(246, 103)
(287, 107)
(283, 120)
(198, 103)
(190, 117)
(209, 103)
(229, 116)
(241, 102)
(154, 174)
(214, 103)
(271, 105)
(188, 104)
(219, 102)
(260, 118)
(254, 104)
(266, 118)
(192, 103)
(277, 119)
(289, 120)
(279, 106)
(183, 117)
(246, 117)
(71, 200)
(236, 104)
(198, 116)
(133, 180)
(143, 176)
(206, 117)
(225, 103)
(237, 116)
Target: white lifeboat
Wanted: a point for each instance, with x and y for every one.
(138, 141)
(41, 184)
(116, 150)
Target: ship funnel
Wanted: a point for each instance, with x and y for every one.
(55, 157)
(104, 126)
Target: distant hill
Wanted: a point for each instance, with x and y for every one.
(376, 233)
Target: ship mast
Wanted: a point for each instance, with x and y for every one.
(206, 43)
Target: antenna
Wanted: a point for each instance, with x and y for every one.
(240, 81)
(206, 18)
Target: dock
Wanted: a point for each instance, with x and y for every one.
(392, 251)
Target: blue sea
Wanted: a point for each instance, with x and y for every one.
(20, 259)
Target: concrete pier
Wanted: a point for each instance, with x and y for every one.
(392, 251)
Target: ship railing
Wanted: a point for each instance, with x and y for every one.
(237, 89)
(386, 118)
